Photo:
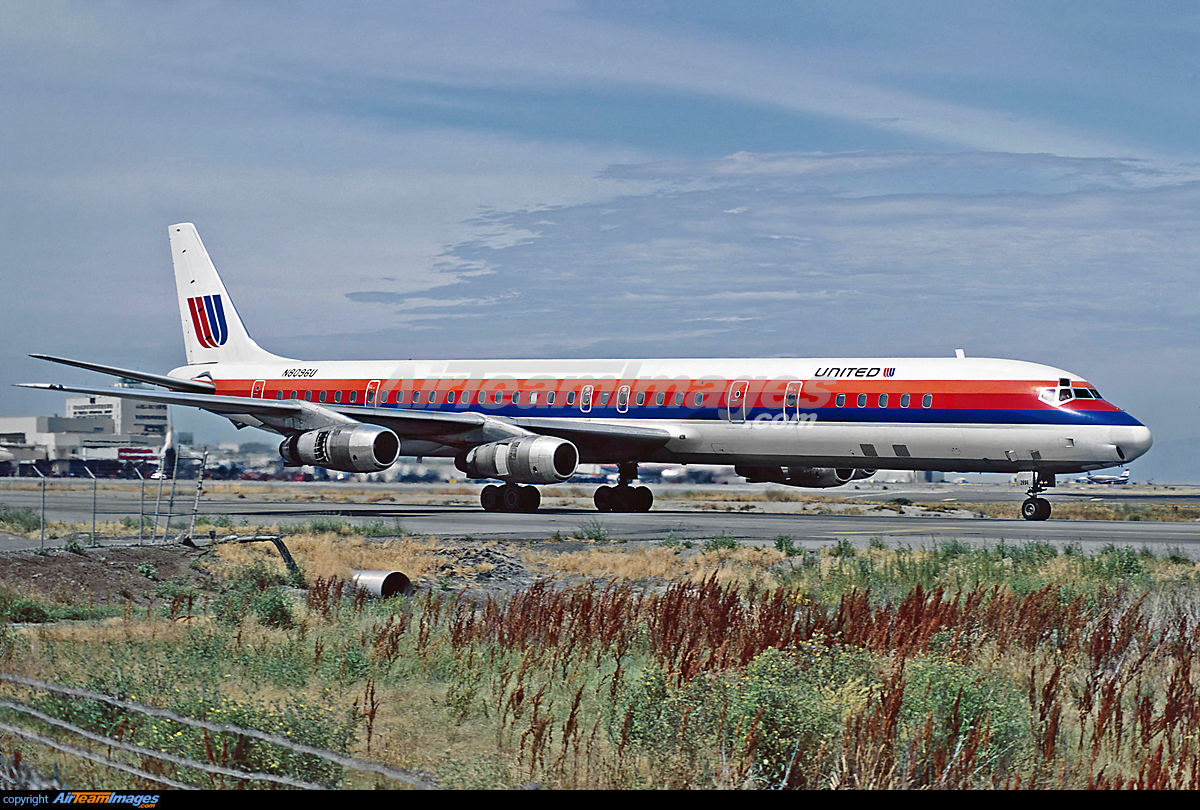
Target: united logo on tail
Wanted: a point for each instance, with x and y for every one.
(208, 316)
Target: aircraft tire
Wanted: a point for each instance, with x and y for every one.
(642, 499)
(1035, 509)
(603, 498)
(489, 498)
(510, 498)
(531, 499)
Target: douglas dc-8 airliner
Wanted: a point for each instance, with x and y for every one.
(791, 421)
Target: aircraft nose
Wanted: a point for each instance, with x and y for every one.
(1132, 442)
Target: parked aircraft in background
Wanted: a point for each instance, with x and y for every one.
(1092, 478)
(797, 422)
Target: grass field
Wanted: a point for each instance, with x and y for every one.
(676, 665)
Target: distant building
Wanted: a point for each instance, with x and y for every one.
(129, 417)
(96, 428)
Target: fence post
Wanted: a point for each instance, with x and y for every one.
(93, 477)
(39, 472)
(199, 489)
(141, 506)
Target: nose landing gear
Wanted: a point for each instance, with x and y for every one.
(1035, 508)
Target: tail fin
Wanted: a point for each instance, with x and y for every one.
(212, 330)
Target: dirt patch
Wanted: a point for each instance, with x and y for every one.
(143, 575)
(107, 575)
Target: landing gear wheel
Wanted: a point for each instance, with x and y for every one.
(1035, 509)
(603, 498)
(490, 498)
(531, 499)
(510, 498)
(642, 499)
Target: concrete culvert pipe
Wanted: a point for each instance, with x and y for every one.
(384, 583)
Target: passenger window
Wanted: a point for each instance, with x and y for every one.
(533, 398)
(698, 400)
(641, 398)
(927, 401)
(370, 397)
(451, 396)
(550, 398)
(482, 398)
(416, 397)
(399, 397)
(791, 400)
(904, 400)
(322, 396)
(516, 397)
(604, 399)
(841, 400)
(623, 398)
(337, 396)
(659, 398)
(498, 398)
(433, 397)
(294, 395)
(679, 399)
(278, 395)
(862, 400)
(354, 396)
(570, 397)
(883, 400)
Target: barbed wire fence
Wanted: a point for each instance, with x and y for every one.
(418, 779)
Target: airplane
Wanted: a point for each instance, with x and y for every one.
(791, 421)
(1092, 478)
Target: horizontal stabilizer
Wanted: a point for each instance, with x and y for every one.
(194, 386)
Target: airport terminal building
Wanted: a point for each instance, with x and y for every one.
(95, 428)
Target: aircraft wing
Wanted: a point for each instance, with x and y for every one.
(462, 428)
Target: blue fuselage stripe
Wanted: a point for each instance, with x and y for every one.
(898, 416)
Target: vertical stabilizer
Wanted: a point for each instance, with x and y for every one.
(212, 330)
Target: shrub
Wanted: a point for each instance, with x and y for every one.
(19, 521)
(722, 543)
(271, 607)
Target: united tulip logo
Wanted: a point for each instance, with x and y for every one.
(208, 317)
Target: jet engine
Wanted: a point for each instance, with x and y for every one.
(526, 460)
(349, 448)
(812, 477)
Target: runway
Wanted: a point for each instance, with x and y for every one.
(458, 515)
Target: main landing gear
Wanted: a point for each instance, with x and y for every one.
(623, 497)
(510, 498)
(1035, 508)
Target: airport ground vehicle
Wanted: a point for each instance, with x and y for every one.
(797, 422)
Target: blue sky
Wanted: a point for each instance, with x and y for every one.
(583, 179)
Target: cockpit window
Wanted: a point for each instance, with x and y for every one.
(1064, 394)
(1081, 393)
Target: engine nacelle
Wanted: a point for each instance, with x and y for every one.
(526, 460)
(811, 477)
(348, 448)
